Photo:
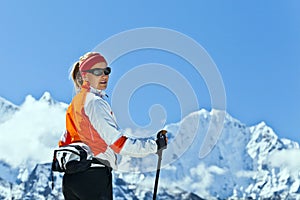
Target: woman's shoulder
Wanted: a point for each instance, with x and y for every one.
(96, 100)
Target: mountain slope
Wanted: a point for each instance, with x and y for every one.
(7, 109)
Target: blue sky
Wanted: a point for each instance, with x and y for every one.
(255, 45)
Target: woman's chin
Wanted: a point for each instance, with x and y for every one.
(102, 87)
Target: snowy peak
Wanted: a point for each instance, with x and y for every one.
(247, 162)
(263, 140)
(7, 109)
(5, 103)
(47, 98)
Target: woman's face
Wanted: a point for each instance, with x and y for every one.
(97, 82)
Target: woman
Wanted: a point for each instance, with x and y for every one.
(90, 120)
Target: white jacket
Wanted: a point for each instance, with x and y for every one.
(90, 120)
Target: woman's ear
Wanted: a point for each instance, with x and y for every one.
(84, 76)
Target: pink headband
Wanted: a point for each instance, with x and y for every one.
(91, 61)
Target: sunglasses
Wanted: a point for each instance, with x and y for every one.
(99, 71)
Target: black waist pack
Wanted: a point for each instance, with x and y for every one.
(72, 158)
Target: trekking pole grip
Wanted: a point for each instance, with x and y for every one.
(161, 140)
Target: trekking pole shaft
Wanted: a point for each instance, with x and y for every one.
(159, 153)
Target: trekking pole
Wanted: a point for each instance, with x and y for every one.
(157, 173)
(161, 134)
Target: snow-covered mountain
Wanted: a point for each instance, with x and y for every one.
(7, 109)
(246, 163)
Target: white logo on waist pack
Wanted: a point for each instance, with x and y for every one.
(72, 158)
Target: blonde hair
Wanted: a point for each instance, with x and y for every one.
(76, 76)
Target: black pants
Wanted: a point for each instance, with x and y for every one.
(93, 184)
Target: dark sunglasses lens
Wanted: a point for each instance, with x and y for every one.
(97, 72)
(107, 70)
